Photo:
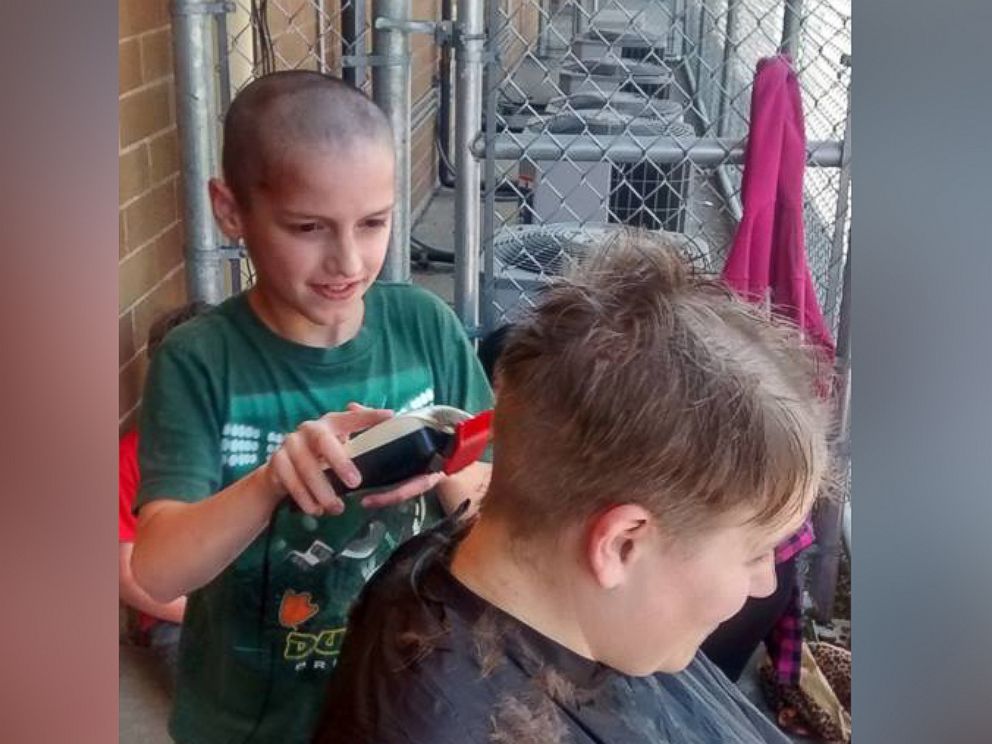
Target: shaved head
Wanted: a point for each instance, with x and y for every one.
(281, 112)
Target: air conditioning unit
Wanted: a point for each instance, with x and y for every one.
(613, 45)
(643, 194)
(527, 257)
(648, 79)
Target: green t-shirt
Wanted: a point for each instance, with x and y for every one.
(259, 641)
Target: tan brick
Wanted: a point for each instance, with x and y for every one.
(125, 338)
(421, 84)
(137, 16)
(151, 213)
(145, 112)
(128, 65)
(164, 151)
(122, 240)
(426, 9)
(169, 294)
(133, 172)
(144, 268)
(130, 383)
(156, 54)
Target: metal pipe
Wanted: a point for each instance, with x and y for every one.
(580, 19)
(491, 81)
(730, 196)
(791, 28)
(840, 217)
(729, 49)
(444, 173)
(468, 122)
(391, 90)
(224, 101)
(828, 519)
(676, 31)
(700, 44)
(321, 41)
(196, 115)
(542, 28)
(703, 151)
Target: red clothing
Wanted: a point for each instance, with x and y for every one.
(128, 480)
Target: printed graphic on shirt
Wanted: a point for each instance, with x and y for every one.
(318, 562)
(296, 608)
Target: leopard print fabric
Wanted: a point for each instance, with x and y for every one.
(797, 711)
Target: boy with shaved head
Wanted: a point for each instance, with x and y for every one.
(250, 403)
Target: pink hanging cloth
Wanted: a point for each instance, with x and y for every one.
(767, 261)
(767, 264)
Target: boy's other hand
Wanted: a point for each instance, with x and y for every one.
(297, 467)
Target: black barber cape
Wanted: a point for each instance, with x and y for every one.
(426, 661)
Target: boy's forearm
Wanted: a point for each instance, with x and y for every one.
(137, 598)
(181, 547)
(470, 483)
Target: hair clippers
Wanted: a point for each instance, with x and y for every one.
(428, 440)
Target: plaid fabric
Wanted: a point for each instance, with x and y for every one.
(795, 544)
(785, 641)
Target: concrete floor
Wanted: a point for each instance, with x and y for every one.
(145, 698)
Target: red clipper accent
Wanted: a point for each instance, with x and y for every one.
(471, 438)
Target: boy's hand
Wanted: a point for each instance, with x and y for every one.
(297, 467)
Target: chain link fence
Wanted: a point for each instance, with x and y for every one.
(632, 112)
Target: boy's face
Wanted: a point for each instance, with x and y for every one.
(317, 234)
(675, 593)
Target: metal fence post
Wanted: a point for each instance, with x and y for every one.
(543, 10)
(491, 80)
(791, 27)
(840, 218)
(700, 42)
(468, 121)
(580, 18)
(196, 115)
(828, 518)
(391, 91)
(729, 48)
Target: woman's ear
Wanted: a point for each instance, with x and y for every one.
(226, 210)
(615, 540)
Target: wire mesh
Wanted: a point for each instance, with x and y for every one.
(640, 72)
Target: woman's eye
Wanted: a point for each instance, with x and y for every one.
(374, 224)
(306, 227)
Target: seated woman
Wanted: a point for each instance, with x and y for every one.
(655, 439)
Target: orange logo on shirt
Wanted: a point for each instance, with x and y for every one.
(295, 609)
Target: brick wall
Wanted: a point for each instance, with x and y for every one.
(150, 278)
